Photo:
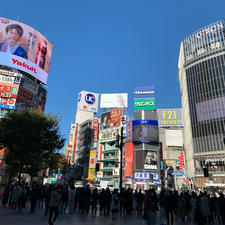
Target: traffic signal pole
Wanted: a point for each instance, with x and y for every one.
(121, 159)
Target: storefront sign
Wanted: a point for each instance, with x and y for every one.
(144, 104)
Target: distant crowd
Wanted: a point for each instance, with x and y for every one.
(165, 206)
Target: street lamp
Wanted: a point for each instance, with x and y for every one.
(121, 151)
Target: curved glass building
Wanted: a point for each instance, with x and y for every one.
(202, 85)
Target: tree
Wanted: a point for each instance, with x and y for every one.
(30, 138)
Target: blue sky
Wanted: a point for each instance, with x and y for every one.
(114, 46)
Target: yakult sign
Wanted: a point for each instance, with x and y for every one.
(88, 101)
(24, 48)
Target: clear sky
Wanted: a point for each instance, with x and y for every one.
(111, 46)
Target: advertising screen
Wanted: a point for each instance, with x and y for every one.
(114, 100)
(40, 100)
(211, 109)
(88, 101)
(174, 138)
(145, 131)
(144, 104)
(111, 119)
(170, 117)
(24, 48)
(150, 160)
(144, 92)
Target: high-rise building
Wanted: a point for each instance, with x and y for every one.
(202, 85)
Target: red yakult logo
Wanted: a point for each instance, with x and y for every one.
(23, 64)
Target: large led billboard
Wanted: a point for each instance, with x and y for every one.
(114, 100)
(24, 48)
(88, 101)
(211, 109)
(111, 119)
(145, 131)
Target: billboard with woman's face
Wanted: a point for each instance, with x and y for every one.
(24, 48)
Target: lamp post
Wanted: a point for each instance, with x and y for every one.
(121, 152)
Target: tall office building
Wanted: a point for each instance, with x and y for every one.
(202, 85)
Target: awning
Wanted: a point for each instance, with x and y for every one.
(90, 178)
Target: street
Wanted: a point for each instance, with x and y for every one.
(9, 217)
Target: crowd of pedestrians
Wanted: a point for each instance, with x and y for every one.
(164, 207)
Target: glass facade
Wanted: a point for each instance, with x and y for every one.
(204, 56)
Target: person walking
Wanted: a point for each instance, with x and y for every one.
(140, 200)
(94, 198)
(21, 199)
(149, 208)
(108, 200)
(115, 204)
(5, 197)
(71, 199)
(53, 205)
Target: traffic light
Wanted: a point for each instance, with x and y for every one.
(206, 172)
(117, 145)
(97, 167)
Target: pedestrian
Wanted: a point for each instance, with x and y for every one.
(140, 200)
(135, 202)
(169, 207)
(115, 204)
(181, 208)
(94, 200)
(149, 208)
(33, 197)
(108, 200)
(87, 198)
(102, 202)
(53, 205)
(5, 196)
(15, 195)
(71, 199)
(21, 199)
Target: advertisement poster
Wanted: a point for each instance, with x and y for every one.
(150, 160)
(24, 48)
(111, 119)
(92, 162)
(171, 117)
(95, 127)
(114, 100)
(129, 157)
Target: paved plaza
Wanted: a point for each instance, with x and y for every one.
(9, 217)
